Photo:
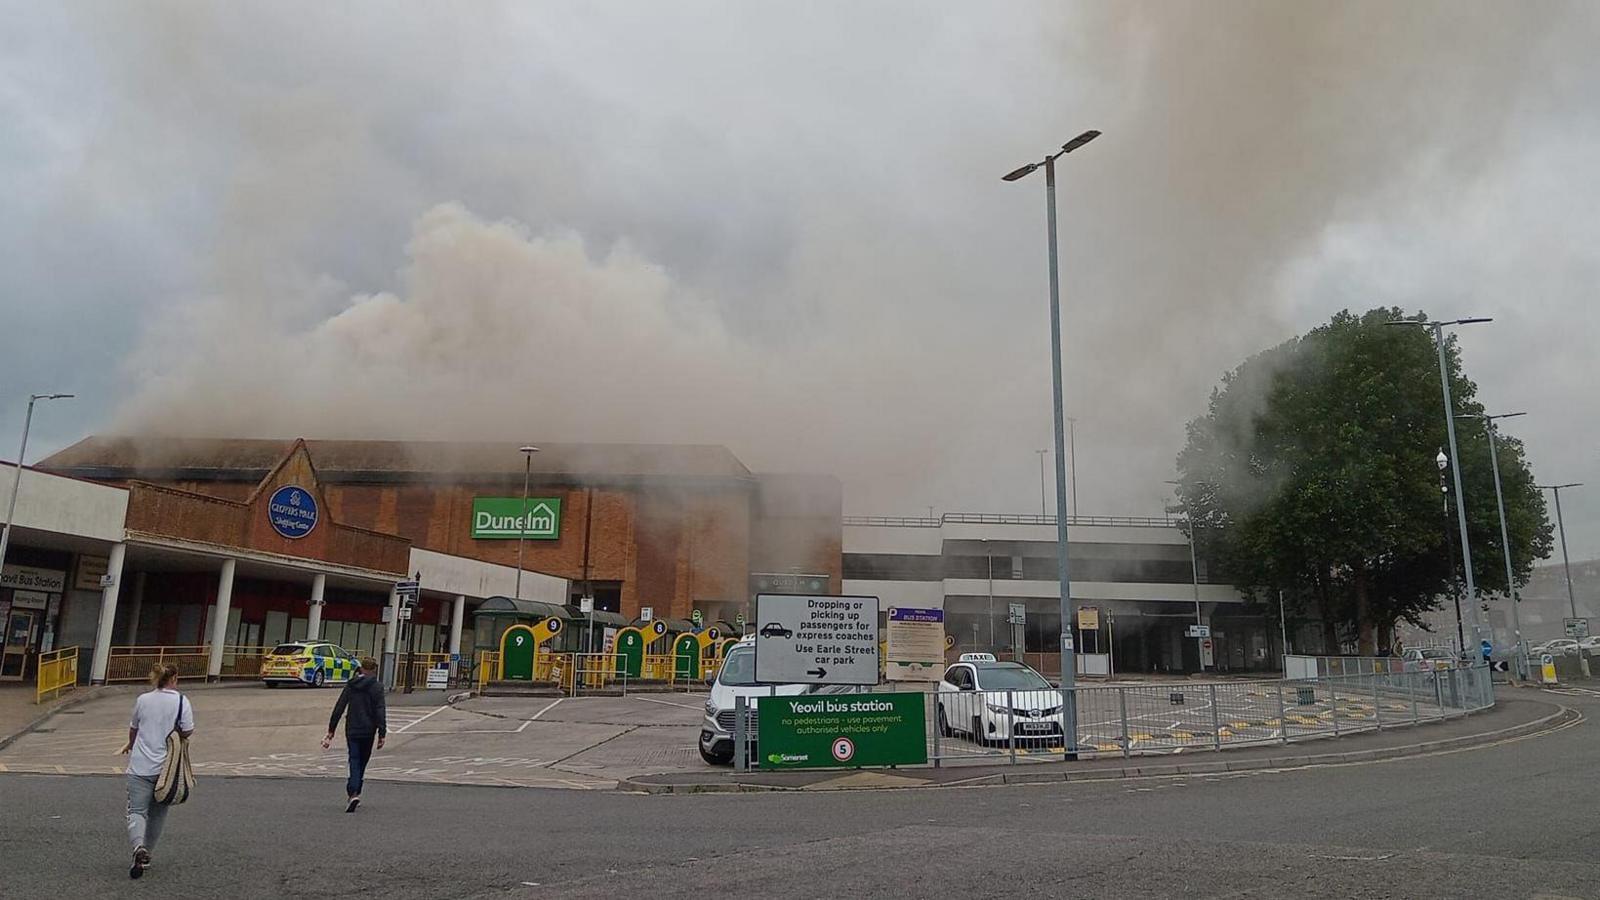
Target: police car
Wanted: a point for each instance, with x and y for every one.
(308, 662)
(989, 701)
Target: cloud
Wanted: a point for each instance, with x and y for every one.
(781, 226)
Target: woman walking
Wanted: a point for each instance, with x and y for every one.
(156, 714)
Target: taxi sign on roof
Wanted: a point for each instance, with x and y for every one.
(977, 657)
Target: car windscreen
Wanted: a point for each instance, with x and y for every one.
(287, 649)
(1010, 678)
(1435, 654)
(739, 669)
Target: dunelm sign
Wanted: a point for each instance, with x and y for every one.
(503, 518)
(292, 511)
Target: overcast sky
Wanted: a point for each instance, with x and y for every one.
(780, 226)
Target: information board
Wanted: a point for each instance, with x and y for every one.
(915, 644)
(811, 639)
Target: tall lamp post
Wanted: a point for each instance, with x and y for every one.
(1505, 540)
(1561, 527)
(1450, 431)
(1068, 662)
(1194, 572)
(522, 516)
(1455, 590)
(1566, 564)
(16, 478)
(1072, 460)
(1043, 511)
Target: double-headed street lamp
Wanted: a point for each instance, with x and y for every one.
(1450, 431)
(1505, 540)
(16, 478)
(1068, 663)
(1561, 527)
(522, 517)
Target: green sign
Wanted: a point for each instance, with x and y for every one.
(833, 730)
(501, 518)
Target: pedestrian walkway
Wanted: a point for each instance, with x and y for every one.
(18, 709)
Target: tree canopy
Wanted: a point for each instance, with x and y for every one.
(1313, 472)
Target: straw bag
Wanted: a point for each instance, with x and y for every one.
(177, 778)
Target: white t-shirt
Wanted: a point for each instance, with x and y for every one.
(153, 715)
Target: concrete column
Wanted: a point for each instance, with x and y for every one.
(391, 639)
(458, 611)
(219, 627)
(131, 636)
(319, 583)
(108, 615)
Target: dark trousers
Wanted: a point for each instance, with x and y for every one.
(360, 754)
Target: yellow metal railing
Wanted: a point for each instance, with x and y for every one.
(420, 663)
(488, 667)
(58, 673)
(191, 661)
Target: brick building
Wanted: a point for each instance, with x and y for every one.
(673, 528)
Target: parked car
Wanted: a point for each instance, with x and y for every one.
(1421, 659)
(315, 663)
(990, 701)
(736, 678)
(1557, 647)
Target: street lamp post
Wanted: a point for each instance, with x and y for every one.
(1042, 510)
(1450, 431)
(1505, 540)
(522, 517)
(16, 478)
(1068, 662)
(1455, 590)
(1194, 572)
(1072, 460)
(1561, 528)
(1566, 564)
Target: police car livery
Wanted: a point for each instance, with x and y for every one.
(308, 662)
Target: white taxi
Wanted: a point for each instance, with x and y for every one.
(990, 701)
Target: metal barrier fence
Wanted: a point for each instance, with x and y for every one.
(58, 673)
(191, 661)
(1296, 666)
(419, 665)
(1018, 726)
(575, 673)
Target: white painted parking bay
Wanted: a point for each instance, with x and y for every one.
(583, 742)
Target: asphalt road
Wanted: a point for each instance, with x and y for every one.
(1515, 819)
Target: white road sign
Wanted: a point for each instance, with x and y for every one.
(1199, 631)
(816, 639)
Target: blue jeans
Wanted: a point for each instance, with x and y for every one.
(360, 755)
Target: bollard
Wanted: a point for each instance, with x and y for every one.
(936, 734)
(1377, 704)
(1011, 717)
(1216, 720)
(1333, 703)
(740, 748)
(1122, 704)
(1283, 719)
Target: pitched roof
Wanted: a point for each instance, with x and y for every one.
(240, 459)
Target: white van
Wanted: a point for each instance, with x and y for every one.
(736, 678)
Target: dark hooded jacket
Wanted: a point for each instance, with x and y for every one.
(363, 699)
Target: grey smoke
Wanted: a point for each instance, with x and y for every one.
(781, 226)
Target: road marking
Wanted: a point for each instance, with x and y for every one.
(668, 703)
(414, 722)
(542, 711)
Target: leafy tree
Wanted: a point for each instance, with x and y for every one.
(1313, 473)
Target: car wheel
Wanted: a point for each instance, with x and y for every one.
(944, 724)
(319, 679)
(717, 759)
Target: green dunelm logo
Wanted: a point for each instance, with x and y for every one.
(503, 518)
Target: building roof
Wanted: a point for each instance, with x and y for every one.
(107, 457)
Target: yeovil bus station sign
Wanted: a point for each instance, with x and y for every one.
(842, 730)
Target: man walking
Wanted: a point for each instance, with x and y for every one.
(365, 726)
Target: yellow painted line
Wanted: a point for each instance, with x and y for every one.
(1238, 725)
(1182, 735)
(1107, 746)
(1142, 736)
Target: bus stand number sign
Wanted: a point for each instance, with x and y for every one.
(819, 731)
